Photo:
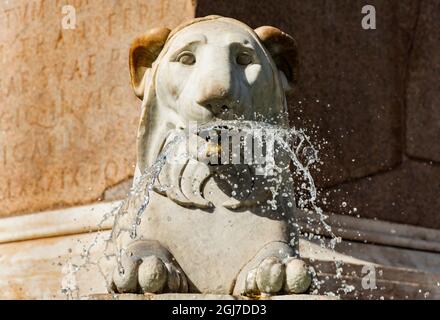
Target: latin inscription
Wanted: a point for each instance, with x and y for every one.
(68, 117)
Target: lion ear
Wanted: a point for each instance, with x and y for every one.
(143, 51)
(284, 52)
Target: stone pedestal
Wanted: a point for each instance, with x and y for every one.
(179, 296)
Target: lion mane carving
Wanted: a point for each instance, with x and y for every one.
(201, 232)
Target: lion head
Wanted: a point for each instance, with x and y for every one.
(208, 69)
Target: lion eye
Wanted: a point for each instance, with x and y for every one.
(186, 58)
(244, 59)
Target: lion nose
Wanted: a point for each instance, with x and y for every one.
(218, 97)
(217, 105)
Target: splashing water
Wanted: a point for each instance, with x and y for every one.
(292, 142)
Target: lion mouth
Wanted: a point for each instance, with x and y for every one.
(225, 142)
(212, 149)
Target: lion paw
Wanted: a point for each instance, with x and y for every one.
(148, 275)
(274, 276)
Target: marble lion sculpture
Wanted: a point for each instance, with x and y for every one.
(202, 232)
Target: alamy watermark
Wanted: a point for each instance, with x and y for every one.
(221, 145)
(369, 20)
(369, 280)
(69, 17)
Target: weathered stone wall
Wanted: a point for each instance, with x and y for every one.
(373, 95)
(68, 117)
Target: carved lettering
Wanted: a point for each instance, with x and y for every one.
(110, 171)
(76, 73)
(111, 21)
(4, 156)
(68, 116)
(8, 14)
(127, 18)
(91, 62)
(25, 13)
